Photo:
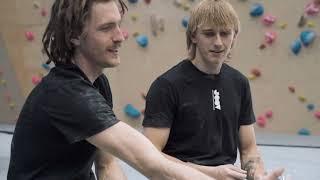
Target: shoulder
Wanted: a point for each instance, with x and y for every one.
(175, 75)
(235, 75)
(71, 87)
(103, 79)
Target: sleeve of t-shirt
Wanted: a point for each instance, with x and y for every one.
(79, 111)
(103, 84)
(160, 105)
(246, 114)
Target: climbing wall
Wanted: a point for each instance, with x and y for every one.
(11, 97)
(279, 56)
(22, 23)
(283, 80)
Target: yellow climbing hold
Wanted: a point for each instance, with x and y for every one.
(302, 98)
(186, 6)
(3, 82)
(12, 105)
(311, 24)
(134, 17)
(135, 34)
(283, 25)
(251, 77)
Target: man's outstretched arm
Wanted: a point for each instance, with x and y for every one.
(132, 147)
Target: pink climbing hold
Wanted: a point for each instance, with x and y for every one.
(36, 80)
(261, 121)
(270, 37)
(29, 35)
(269, 114)
(317, 114)
(312, 8)
(268, 20)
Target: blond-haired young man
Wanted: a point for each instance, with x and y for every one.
(200, 111)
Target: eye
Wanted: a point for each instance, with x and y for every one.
(209, 33)
(106, 28)
(225, 33)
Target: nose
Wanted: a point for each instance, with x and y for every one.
(118, 35)
(218, 42)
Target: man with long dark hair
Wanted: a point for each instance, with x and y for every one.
(67, 122)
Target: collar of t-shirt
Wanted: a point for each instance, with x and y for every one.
(75, 69)
(195, 72)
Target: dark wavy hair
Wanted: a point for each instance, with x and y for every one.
(66, 22)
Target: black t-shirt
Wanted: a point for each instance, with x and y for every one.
(49, 142)
(203, 111)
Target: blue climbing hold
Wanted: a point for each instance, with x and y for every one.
(256, 10)
(307, 37)
(46, 66)
(310, 107)
(296, 47)
(131, 111)
(133, 1)
(304, 132)
(142, 40)
(185, 21)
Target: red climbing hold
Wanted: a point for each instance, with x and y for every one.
(261, 121)
(269, 114)
(291, 89)
(256, 72)
(317, 114)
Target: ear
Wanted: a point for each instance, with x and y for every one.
(75, 41)
(234, 39)
(193, 38)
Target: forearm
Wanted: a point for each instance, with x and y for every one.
(252, 162)
(107, 167)
(132, 147)
(204, 169)
(112, 172)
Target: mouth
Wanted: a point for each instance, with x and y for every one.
(217, 51)
(113, 51)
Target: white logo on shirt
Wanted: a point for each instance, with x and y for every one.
(216, 99)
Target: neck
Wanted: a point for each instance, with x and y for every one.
(89, 69)
(208, 68)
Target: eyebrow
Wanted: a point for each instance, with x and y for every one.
(108, 24)
(212, 30)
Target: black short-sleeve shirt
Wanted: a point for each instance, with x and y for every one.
(64, 109)
(203, 111)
